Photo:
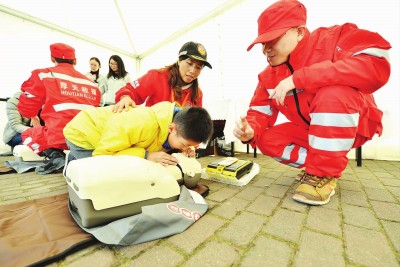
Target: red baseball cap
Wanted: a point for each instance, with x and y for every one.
(278, 18)
(60, 50)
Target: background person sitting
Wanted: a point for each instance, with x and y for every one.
(16, 122)
(60, 92)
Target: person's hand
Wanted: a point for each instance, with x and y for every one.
(280, 91)
(162, 157)
(243, 130)
(189, 152)
(124, 103)
(35, 121)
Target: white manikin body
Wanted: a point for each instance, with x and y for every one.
(105, 188)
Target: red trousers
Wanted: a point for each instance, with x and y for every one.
(321, 148)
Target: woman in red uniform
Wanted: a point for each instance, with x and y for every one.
(175, 83)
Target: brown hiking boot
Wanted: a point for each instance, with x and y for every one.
(315, 190)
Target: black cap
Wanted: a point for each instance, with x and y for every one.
(195, 51)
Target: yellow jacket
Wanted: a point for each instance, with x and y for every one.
(130, 132)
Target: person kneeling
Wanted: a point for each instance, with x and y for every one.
(148, 132)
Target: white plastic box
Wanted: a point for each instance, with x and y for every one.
(106, 188)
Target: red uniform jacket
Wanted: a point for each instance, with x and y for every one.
(153, 88)
(339, 55)
(60, 92)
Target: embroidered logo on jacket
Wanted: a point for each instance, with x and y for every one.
(135, 84)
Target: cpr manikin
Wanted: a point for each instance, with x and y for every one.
(106, 188)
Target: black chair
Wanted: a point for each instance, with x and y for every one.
(359, 156)
(255, 150)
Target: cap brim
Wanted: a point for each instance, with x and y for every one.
(200, 59)
(268, 36)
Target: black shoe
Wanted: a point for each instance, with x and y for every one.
(52, 153)
(54, 160)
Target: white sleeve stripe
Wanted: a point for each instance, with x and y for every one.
(263, 109)
(287, 94)
(68, 106)
(29, 95)
(377, 52)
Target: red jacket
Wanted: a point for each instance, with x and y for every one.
(60, 92)
(153, 88)
(339, 55)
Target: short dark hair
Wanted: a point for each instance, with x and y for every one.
(63, 60)
(194, 123)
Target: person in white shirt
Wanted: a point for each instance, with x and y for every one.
(95, 76)
(117, 78)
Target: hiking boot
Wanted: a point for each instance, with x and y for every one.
(315, 190)
(300, 175)
(54, 160)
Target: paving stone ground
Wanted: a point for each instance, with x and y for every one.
(259, 224)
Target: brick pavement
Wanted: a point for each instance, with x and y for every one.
(259, 224)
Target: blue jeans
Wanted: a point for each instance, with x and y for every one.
(16, 140)
(77, 152)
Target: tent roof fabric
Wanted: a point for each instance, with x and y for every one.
(133, 28)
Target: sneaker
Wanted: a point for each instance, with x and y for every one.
(315, 190)
(300, 175)
(54, 160)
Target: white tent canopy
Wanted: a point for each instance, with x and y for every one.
(149, 33)
(131, 28)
